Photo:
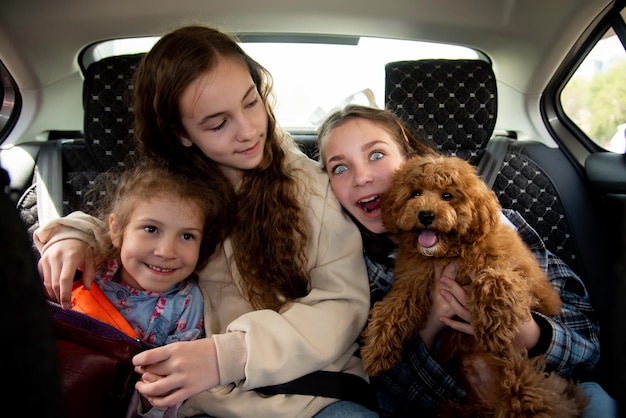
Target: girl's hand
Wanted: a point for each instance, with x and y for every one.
(528, 334)
(457, 316)
(176, 371)
(448, 301)
(58, 266)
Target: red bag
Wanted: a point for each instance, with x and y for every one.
(95, 360)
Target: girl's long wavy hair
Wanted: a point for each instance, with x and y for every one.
(377, 246)
(269, 231)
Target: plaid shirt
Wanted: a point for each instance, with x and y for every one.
(417, 384)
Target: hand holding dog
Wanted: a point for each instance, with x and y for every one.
(448, 305)
(448, 310)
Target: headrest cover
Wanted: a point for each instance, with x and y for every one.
(107, 95)
(453, 103)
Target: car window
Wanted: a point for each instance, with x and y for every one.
(314, 75)
(595, 96)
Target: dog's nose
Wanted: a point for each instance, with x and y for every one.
(426, 217)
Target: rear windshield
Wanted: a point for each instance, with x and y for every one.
(314, 75)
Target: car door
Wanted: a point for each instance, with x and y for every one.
(583, 108)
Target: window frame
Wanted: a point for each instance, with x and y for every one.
(565, 132)
(10, 102)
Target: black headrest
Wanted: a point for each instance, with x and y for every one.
(107, 95)
(453, 103)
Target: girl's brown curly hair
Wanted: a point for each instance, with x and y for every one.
(118, 191)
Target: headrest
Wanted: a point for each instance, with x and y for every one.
(107, 95)
(453, 103)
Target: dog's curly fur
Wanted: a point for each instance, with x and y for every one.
(442, 210)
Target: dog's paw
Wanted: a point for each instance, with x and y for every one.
(494, 341)
(383, 343)
(500, 303)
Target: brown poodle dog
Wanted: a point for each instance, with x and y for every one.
(443, 211)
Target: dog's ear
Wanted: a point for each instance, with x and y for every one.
(482, 203)
(486, 205)
(488, 208)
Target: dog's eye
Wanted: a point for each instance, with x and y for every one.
(446, 196)
(416, 193)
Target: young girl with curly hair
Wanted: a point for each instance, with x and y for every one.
(162, 228)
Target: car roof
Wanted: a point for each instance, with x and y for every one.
(41, 40)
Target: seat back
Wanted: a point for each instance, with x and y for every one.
(78, 169)
(27, 329)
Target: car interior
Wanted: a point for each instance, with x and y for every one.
(513, 126)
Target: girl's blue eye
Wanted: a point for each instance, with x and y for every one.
(376, 155)
(151, 229)
(339, 169)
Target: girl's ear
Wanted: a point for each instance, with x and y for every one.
(114, 232)
(184, 140)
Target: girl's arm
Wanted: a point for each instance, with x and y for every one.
(569, 340)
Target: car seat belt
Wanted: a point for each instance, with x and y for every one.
(491, 161)
(49, 181)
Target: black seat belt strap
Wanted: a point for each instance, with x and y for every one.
(337, 385)
(50, 181)
(491, 161)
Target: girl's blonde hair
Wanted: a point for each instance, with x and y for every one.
(270, 235)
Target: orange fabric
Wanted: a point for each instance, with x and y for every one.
(94, 303)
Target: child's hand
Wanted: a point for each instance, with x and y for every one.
(448, 300)
(455, 315)
(177, 371)
(58, 266)
(147, 406)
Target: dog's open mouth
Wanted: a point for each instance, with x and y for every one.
(428, 238)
